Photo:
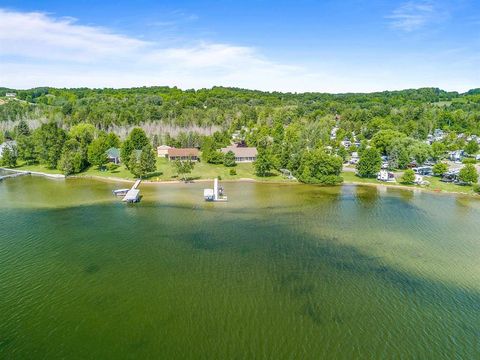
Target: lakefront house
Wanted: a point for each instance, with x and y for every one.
(182, 154)
(242, 154)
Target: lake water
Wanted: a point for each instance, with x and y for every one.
(278, 272)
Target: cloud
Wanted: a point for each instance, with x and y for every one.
(38, 49)
(415, 15)
(59, 51)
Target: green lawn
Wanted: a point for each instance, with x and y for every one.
(166, 172)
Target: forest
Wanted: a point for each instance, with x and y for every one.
(292, 131)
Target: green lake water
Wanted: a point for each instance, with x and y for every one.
(278, 272)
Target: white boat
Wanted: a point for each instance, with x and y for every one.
(120, 192)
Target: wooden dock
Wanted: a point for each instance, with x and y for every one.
(133, 195)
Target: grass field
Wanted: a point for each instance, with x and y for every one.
(166, 172)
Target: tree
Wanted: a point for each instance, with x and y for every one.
(136, 140)
(318, 167)
(22, 129)
(148, 160)
(439, 169)
(408, 177)
(9, 157)
(210, 153)
(263, 164)
(229, 159)
(155, 141)
(26, 149)
(71, 160)
(49, 140)
(112, 140)
(369, 163)
(184, 167)
(97, 152)
(126, 152)
(468, 174)
(438, 150)
(472, 147)
(383, 139)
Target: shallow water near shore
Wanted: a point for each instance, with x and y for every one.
(278, 272)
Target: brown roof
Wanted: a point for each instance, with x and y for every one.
(182, 152)
(241, 152)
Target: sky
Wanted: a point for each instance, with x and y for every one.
(274, 45)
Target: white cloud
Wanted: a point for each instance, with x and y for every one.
(414, 15)
(37, 49)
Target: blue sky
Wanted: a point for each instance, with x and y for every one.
(302, 45)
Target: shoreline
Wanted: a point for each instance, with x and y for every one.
(252, 180)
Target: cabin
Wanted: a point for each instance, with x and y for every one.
(162, 150)
(174, 154)
(113, 155)
(11, 95)
(11, 144)
(242, 154)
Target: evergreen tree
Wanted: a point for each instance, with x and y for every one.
(229, 159)
(71, 160)
(49, 140)
(26, 149)
(9, 157)
(263, 164)
(97, 152)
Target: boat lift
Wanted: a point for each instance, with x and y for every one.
(215, 194)
(131, 195)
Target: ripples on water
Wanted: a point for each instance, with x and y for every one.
(278, 272)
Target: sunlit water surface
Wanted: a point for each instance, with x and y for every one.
(278, 272)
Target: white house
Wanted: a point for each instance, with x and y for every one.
(11, 95)
(162, 150)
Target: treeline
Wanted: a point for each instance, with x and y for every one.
(80, 147)
(413, 112)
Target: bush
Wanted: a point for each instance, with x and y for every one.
(233, 172)
(469, 161)
(439, 169)
(468, 174)
(476, 188)
(111, 166)
(408, 177)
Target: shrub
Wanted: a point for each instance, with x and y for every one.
(408, 177)
(439, 169)
(233, 172)
(476, 188)
(469, 161)
(111, 166)
(468, 174)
